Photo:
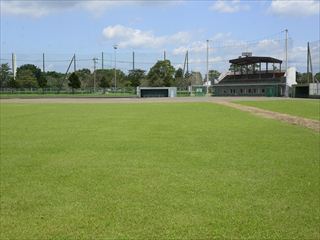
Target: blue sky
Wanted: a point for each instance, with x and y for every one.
(61, 28)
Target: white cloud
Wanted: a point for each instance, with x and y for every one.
(295, 8)
(130, 37)
(225, 47)
(233, 6)
(201, 46)
(195, 47)
(37, 8)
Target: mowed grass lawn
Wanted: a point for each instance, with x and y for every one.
(155, 171)
(296, 107)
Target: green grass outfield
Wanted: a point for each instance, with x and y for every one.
(302, 108)
(155, 171)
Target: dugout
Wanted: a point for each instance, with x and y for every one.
(307, 90)
(145, 92)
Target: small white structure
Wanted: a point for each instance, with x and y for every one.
(291, 76)
(156, 91)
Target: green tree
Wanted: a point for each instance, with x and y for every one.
(180, 80)
(213, 74)
(36, 72)
(5, 75)
(303, 78)
(26, 79)
(161, 74)
(55, 80)
(42, 81)
(122, 80)
(74, 81)
(178, 73)
(136, 76)
(85, 77)
(104, 83)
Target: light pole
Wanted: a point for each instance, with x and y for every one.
(94, 73)
(207, 77)
(115, 47)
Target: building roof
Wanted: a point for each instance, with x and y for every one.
(252, 60)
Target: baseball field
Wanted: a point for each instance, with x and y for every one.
(195, 170)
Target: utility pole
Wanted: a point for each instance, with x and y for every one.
(133, 60)
(115, 47)
(309, 65)
(164, 55)
(43, 63)
(102, 61)
(308, 51)
(72, 59)
(187, 61)
(184, 65)
(286, 92)
(74, 63)
(207, 66)
(286, 30)
(14, 66)
(95, 60)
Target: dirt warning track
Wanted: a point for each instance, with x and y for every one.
(294, 120)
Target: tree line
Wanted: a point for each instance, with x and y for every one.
(161, 74)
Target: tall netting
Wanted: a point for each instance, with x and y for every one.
(191, 58)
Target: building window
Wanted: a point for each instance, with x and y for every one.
(262, 90)
(249, 90)
(254, 90)
(241, 90)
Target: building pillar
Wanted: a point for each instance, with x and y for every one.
(273, 70)
(247, 70)
(259, 70)
(266, 67)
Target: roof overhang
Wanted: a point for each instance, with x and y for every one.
(253, 60)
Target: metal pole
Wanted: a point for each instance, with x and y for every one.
(102, 61)
(207, 66)
(43, 63)
(133, 60)
(187, 61)
(310, 59)
(94, 73)
(115, 66)
(14, 67)
(72, 59)
(74, 63)
(164, 55)
(308, 62)
(184, 65)
(286, 88)
(286, 49)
